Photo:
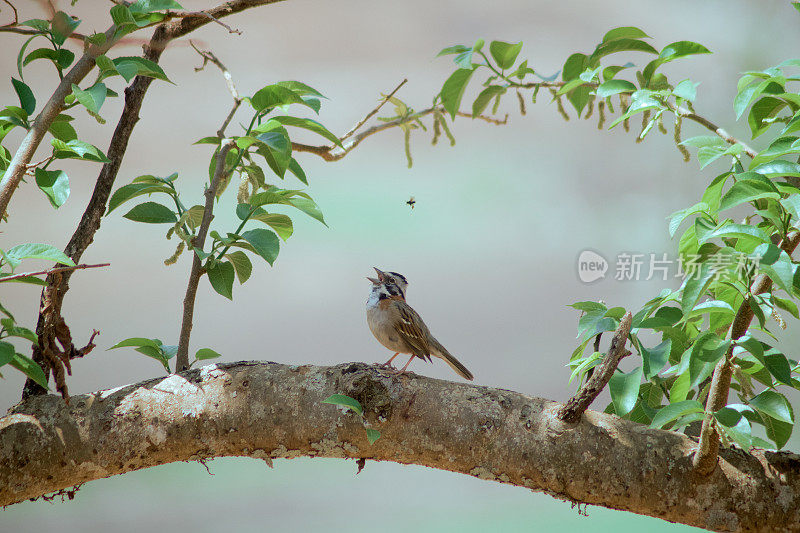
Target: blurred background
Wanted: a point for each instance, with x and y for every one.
(490, 248)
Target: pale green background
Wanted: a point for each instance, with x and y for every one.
(490, 249)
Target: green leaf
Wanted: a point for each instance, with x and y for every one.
(735, 231)
(455, 49)
(776, 264)
(137, 342)
(149, 6)
(241, 264)
(38, 251)
(92, 98)
(624, 390)
(26, 99)
(273, 96)
(774, 405)
(778, 168)
(276, 148)
(453, 90)
(282, 224)
(344, 401)
(12, 330)
(206, 353)
(7, 352)
(505, 54)
(373, 435)
(76, 149)
(654, 359)
(54, 184)
(612, 87)
(695, 286)
(132, 66)
(62, 26)
(264, 242)
(297, 170)
(63, 131)
(151, 213)
(311, 125)
(682, 49)
(132, 190)
(62, 57)
(735, 426)
(621, 45)
(29, 367)
(221, 275)
(625, 32)
(485, 97)
(686, 89)
(747, 190)
(678, 217)
(673, 411)
(307, 206)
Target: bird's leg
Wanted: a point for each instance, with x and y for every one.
(388, 364)
(409, 362)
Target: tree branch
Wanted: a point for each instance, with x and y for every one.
(16, 168)
(57, 270)
(571, 411)
(332, 153)
(182, 356)
(705, 460)
(271, 411)
(83, 236)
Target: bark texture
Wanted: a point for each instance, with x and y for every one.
(272, 411)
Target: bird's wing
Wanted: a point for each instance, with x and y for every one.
(412, 329)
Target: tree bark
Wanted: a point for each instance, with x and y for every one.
(270, 411)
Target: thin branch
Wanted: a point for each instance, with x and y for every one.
(182, 357)
(724, 135)
(373, 112)
(208, 56)
(572, 410)
(705, 459)
(51, 271)
(14, 9)
(211, 17)
(333, 153)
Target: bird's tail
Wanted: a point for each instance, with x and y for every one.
(455, 364)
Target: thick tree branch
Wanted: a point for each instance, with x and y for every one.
(571, 411)
(705, 460)
(271, 411)
(182, 356)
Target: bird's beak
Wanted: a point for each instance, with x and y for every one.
(381, 275)
(374, 281)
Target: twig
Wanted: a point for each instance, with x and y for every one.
(721, 133)
(207, 56)
(329, 153)
(372, 113)
(572, 410)
(211, 17)
(14, 9)
(182, 357)
(51, 271)
(705, 459)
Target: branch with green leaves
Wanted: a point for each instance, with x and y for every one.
(733, 270)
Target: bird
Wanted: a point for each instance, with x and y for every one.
(398, 327)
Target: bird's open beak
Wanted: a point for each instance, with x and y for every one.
(380, 279)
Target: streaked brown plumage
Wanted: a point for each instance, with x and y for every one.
(398, 327)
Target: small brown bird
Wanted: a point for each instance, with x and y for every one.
(398, 327)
